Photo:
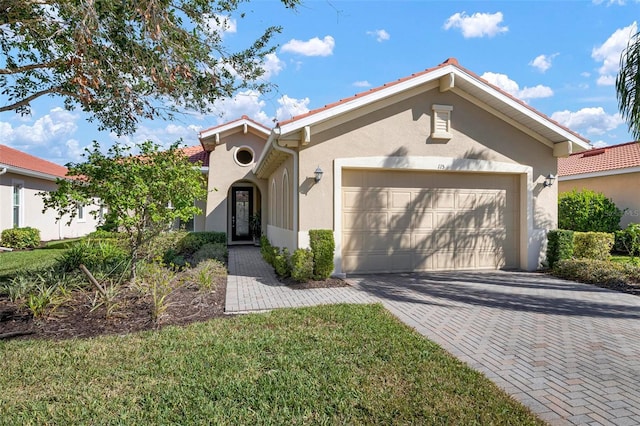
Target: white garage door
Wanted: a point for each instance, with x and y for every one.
(400, 221)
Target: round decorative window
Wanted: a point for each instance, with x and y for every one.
(244, 156)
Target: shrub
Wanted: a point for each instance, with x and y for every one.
(267, 250)
(559, 246)
(103, 255)
(204, 273)
(156, 281)
(628, 240)
(216, 251)
(21, 238)
(302, 265)
(592, 245)
(193, 241)
(590, 271)
(282, 263)
(160, 244)
(323, 247)
(588, 211)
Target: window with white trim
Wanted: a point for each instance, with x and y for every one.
(441, 126)
(285, 199)
(80, 209)
(17, 203)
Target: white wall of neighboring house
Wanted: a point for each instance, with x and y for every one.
(26, 207)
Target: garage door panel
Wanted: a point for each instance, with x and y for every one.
(455, 221)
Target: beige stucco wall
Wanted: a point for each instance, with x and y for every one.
(224, 171)
(280, 216)
(32, 214)
(403, 130)
(622, 189)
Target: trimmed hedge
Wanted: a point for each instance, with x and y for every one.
(302, 265)
(193, 241)
(592, 271)
(559, 246)
(592, 245)
(323, 247)
(20, 238)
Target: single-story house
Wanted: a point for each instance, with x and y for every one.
(436, 171)
(22, 176)
(612, 170)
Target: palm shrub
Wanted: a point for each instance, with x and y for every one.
(323, 247)
(587, 211)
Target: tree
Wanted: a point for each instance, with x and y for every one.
(144, 194)
(125, 60)
(587, 211)
(628, 85)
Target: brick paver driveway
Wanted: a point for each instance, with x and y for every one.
(569, 351)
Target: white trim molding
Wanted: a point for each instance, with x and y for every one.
(529, 244)
(600, 174)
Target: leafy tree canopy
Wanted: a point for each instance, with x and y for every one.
(125, 60)
(588, 211)
(628, 85)
(144, 194)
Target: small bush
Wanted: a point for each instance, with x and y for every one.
(302, 265)
(21, 238)
(204, 273)
(559, 246)
(628, 240)
(97, 255)
(156, 281)
(193, 241)
(591, 271)
(282, 263)
(216, 251)
(323, 247)
(588, 211)
(592, 245)
(160, 244)
(267, 250)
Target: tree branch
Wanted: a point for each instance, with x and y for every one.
(18, 70)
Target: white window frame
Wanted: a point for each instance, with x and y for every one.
(81, 213)
(19, 184)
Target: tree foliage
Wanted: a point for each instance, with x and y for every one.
(125, 60)
(628, 85)
(587, 211)
(144, 193)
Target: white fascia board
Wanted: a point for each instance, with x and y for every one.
(30, 173)
(562, 133)
(365, 99)
(231, 126)
(600, 174)
(268, 147)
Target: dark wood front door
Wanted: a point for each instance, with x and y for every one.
(241, 211)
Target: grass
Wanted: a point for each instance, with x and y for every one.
(341, 364)
(15, 261)
(625, 259)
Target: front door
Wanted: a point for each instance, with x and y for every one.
(241, 211)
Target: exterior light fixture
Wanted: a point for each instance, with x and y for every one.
(318, 174)
(548, 181)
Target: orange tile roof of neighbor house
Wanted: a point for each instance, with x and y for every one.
(197, 153)
(601, 159)
(13, 158)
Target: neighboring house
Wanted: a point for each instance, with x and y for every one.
(612, 170)
(22, 176)
(436, 171)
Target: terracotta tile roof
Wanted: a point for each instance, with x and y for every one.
(14, 158)
(196, 153)
(601, 159)
(449, 61)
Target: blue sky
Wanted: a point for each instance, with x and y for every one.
(561, 57)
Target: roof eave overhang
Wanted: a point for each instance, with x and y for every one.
(210, 138)
(30, 173)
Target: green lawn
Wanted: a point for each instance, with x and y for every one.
(341, 364)
(625, 259)
(15, 261)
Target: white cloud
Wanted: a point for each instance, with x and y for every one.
(599, 144)
(220, 24)
(542, 62)
(609, 53)
(593, 120)
(477, 25)
(49, 128)
(272, 66)
(380, 35)
(610, 2)
(505, 83)
(244, 103)
(362, 83)
(290, 107)
(312, 47)
(164, 136)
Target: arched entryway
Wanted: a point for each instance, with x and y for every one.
(244, 201)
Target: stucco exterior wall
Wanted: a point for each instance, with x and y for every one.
(32, 206)
(403, 129)
(224, 171)
(623, 189)
(280, 212)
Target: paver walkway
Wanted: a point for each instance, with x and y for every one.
(569, 351)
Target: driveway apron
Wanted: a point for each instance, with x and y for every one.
(568, 351)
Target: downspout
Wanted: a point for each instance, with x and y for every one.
(294, 154)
